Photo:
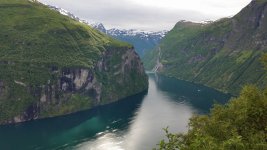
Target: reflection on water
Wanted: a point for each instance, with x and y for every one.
(132, 124)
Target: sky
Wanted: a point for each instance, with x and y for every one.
(152, 15)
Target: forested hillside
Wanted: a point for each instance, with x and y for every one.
(223, 54)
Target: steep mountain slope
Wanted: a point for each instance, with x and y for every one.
(53, 65)
(223, 54)
(143, 41)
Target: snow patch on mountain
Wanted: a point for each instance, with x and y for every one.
(113, 31)
(130, 32)
(143, 41)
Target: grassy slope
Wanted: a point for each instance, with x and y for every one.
(33, 39)
(222, 54)
(30, 32)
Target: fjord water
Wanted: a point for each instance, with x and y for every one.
(134, 123)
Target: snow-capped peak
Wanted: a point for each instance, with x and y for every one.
(127, 32)
(66, 13)
(135, 32)
(113, 31)
(99, 26)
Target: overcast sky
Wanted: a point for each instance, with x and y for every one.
(149, 14)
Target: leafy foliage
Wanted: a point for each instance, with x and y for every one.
(239, 125)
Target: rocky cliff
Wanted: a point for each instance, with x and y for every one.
(224, 54)
(52, 65)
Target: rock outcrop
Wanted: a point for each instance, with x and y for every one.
(76, 89)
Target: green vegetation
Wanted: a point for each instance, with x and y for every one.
(77, 102)
(32, 33)
(110, 88)
(16, 80)
(264, 60)
(38, 44)
(244, 55)
(223, 54)
(239, 125)
(226, 55)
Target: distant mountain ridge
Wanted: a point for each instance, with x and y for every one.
(128, 32)
(143, 41)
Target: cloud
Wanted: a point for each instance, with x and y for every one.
(149, 14)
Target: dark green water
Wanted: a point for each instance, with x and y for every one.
(134, 123)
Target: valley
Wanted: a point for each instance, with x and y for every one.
(128, 78)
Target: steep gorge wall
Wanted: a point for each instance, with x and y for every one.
(224, 54)
(119, 73)
(52, 65)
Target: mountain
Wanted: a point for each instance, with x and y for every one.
(65, 12)
(143, 41)
(224, 54)
(100, 27)
(53, 65)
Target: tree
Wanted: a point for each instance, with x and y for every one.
(241, 124)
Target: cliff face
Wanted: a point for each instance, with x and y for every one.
(61, 67)
(75, 89)
(224, 54)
